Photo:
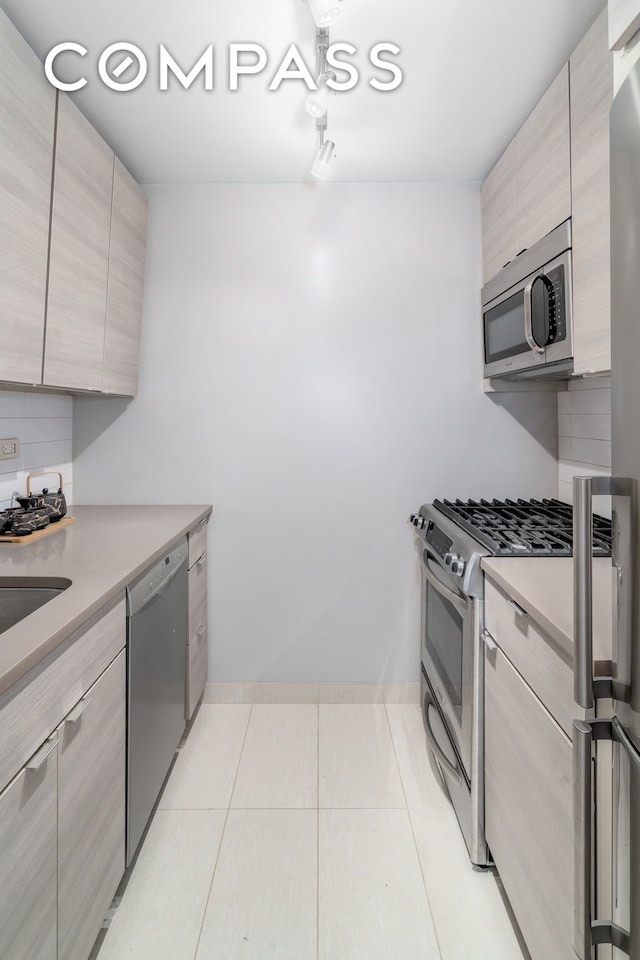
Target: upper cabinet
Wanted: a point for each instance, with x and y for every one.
(125, 286)
(528, 192)
(72, 239)
(543, 173)
(556, 167)
(27, 118)
(79, 259)
(624, 21)
(591, 97)
(499, 231)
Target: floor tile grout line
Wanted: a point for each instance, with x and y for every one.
(413, 834)
(224, 827)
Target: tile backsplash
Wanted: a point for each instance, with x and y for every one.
(584, 436)
(43, 423)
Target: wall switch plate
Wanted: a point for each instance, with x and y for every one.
(9, 448)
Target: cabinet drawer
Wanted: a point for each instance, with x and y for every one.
(197, 596)
(534, 654)
(528, 803)
(197, 662)
(197, 541)
(34, 706)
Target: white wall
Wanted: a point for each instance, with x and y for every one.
(43, 423)
(311, 366)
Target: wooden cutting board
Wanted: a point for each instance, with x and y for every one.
(30, 537)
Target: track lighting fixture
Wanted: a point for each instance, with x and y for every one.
(318, 100)
(317, 103)
(320, 168)
(325, 11)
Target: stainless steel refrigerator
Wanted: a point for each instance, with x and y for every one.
(621, 927)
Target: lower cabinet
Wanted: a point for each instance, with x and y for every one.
(28, 854)
(528, 803)
(62, 816)
(91, 810)
(197, 646)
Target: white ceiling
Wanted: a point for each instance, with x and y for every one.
(473, 71)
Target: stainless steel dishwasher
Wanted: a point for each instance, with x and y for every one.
(157, 632)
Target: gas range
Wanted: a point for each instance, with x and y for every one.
(452, 538)
(472, 529)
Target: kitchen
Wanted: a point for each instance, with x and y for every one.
(342, 382)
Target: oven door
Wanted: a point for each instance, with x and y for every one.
(447, 652)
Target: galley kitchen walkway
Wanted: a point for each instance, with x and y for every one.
(305, 832)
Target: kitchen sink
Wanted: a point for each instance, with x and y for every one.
(20, 596)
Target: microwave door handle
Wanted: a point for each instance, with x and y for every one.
(528, 315)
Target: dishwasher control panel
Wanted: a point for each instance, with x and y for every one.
(155, 578)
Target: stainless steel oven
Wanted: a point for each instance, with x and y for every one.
(452, 694)
(447, 652)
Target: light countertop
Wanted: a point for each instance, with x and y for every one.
(105, 549)
(543, 586)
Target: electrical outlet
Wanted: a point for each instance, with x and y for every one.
(9, 448)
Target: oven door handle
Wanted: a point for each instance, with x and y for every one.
(437, 584)
(444, 761)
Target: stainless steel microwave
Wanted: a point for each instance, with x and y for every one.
(526, 309)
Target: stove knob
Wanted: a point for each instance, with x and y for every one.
(454, 561)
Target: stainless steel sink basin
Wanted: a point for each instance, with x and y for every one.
(20, 596)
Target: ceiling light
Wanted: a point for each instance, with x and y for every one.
(324, 11)
(318, 100)
(320, 168)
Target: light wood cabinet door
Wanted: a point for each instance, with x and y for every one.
(28, 853)
(27, 117)
(91, 811)
(623, 22)
(197, 647)
(79, 258)
(126, 285)
(528, 809)
(591, 97)
(498, 197)
(197, 668)
(543, 177)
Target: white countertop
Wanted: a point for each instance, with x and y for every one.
(543, 586)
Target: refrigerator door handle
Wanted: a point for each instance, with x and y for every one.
(584, 488)
(582, 803)
(587, 932)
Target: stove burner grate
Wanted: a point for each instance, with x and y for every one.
(524, 527)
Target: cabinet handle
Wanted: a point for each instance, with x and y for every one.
(520, 611)
(78, 710)
(489, 642)
(201, 629)
(39, 757)
(201, 559)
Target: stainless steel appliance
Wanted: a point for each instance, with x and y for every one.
(157, 630)
(451, 539)
(621, 926)
(526, 311)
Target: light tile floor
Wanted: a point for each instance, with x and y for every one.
(298, 832)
